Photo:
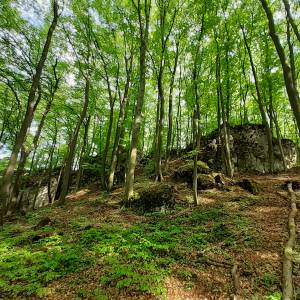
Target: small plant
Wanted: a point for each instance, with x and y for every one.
(274, 296)
(268, 280)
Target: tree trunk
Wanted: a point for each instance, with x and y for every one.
(277, 128)
(161, 100)
(197, 137)
(26, 153)
(178, 118)
(120, 125)
(225, 135)
(107, 143)
(287, 73)
(83, 152)
(8, 174)
(287, 265)
(291, 19)
(261, 107)
(144, 31)
(72, 146)
(50, 166)
(170, 116)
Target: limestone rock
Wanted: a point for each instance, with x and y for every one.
(249, 149)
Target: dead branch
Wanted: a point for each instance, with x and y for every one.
(236, 281)
(287, 272)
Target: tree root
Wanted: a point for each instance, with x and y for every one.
(290, 255)
(235, 273)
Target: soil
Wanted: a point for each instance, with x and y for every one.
(268, 212)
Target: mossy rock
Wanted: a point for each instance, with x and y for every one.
(205, 181)
(185, 172)
(150, 197)
(249, 185)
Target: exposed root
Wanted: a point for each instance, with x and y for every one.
(289, 253)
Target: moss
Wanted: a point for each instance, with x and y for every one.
(149, 197)
(186, 171)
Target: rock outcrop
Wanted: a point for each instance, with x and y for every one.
(249, 149)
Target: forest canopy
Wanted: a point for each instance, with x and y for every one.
(97, 78)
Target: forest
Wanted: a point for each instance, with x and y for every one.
(149, 149)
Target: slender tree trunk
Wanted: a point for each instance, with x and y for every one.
(287, 72)
(161, 100)
(144, 31)
(120, 125)
(83, 152)
(72, 146)
(8, 174)
(261, 107)
(291, 19)
(291, 55)
(107, 143)
(26, 154)
(278, 133)
(225, 134)
(50, 166)
(170, 116)
(197, 137)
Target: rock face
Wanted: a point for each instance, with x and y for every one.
(249, 150)
(32, 197)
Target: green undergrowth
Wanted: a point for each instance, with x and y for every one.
(134, 257)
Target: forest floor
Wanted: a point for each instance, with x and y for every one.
(96, 249)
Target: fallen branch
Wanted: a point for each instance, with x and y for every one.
(289, 253)
(236, 281)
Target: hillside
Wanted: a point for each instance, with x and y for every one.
(94, 248)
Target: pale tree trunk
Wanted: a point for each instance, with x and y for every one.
(197, 137)
(144, 31)
(25, 153)
(83, 152)
(50, 166)
(170, 116)
(72, 146)
(120, 123)
(7, 178)
(273, 115)
(164, 37)
(278, 133)
(261, 106)
(196, 114)
(107, 143)
(178, 118)
(286, 68)
(225, 135)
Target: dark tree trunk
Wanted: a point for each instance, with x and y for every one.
(286, 68)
